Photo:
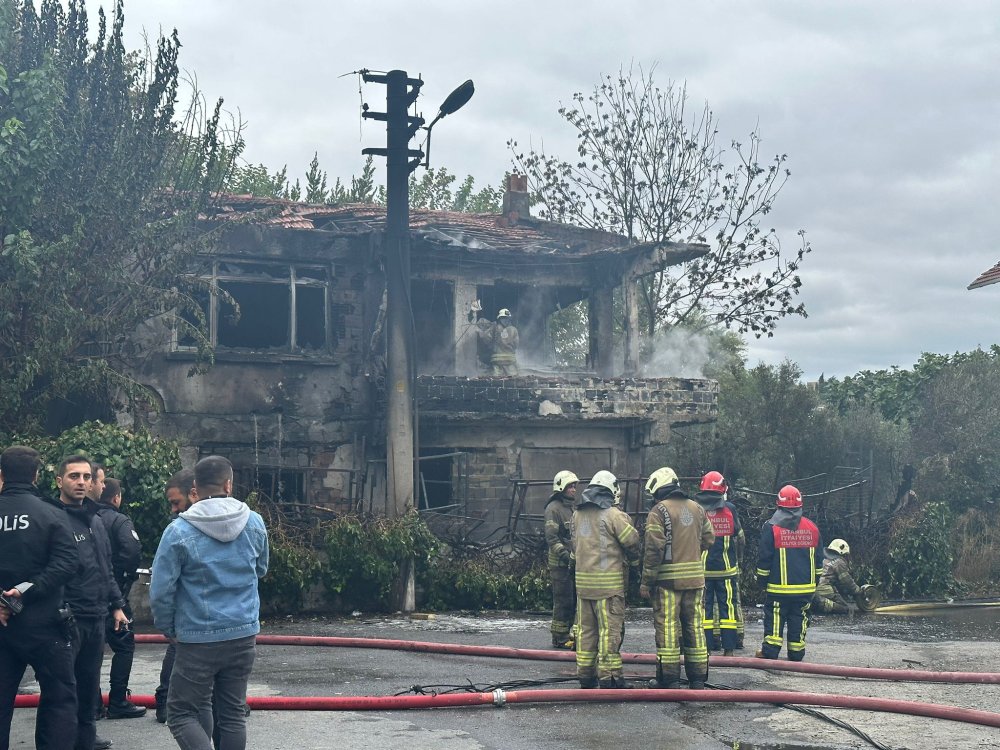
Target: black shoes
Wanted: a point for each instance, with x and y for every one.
(616, 683)
(125, 709)
(102, 744)
(161, 713)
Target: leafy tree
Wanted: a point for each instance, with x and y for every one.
(259, 182)
(316, 191)
(433, 190)
(647, 170)
(102, 189)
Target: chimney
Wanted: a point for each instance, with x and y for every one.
(515, 197)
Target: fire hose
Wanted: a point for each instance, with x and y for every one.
(506, 652)
(501, 698)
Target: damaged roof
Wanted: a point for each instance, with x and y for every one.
(446, 229)
(992, 276)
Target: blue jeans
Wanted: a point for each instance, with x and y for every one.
(200, 669)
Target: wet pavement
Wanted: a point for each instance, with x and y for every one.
(955, 640)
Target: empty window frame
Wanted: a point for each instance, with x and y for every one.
(281, 307)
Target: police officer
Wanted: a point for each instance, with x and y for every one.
(91, 591)
(558, 519)
(125, 552)
(37, 554)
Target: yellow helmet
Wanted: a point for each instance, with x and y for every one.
(664, 477)
(564, 479)
(839, 546)
(504, 313)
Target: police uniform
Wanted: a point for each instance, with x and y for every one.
(604, 542)
(91, 592)
(677, 532)
(558, 518)
(125, 554)
(37, 555)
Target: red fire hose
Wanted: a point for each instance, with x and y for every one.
(500, 698)
(505, 652)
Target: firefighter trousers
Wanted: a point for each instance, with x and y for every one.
(721, 597)
(678, 620)
(563, 604)
(788, 615)
(600, 626)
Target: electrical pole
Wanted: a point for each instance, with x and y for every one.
(401, 429)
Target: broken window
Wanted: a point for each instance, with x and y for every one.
(277, 307)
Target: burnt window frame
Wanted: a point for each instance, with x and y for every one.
(292, 280)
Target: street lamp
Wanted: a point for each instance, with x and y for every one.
(454, 102)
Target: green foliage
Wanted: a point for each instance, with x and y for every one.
(294, 568)
(141, 462)
(433, 191)
(102, 186)
(480, 583)
(365, 556)
(920, 553)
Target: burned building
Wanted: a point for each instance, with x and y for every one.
(296, 393)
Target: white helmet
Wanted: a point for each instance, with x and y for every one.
(504, 313)
(664, 477)
(839, 546)
(564, 479)
(605, 479)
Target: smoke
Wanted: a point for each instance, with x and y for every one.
(678, 353)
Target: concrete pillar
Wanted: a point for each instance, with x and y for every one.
(602, 339)
(631, 293)
(465, 334)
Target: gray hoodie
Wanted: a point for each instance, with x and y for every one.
(222, 518)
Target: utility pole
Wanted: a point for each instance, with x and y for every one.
(401, 430)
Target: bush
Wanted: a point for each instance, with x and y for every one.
(141, 462)
(920, 554)
(293, 570)
(976, 541)
(479, 582)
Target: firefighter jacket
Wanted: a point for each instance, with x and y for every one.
(677, 532)
(37, 554)
(790, 554)
(723, 559)
(558, 519)
(91, 591)
(125, 547)
(836, 573)
(604, 539)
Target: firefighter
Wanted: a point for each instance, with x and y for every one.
(790, 559)
(673, 576)
(836, 584)
(604, 540)
(722, 563)
(558, 518)
(500, 338)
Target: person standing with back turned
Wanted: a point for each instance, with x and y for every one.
(203, 594)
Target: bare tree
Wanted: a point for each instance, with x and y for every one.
(648, 170)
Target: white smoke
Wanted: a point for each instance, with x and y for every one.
(677, 353)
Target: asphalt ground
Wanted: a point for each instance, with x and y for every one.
(319, 671)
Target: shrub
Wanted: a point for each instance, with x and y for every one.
(920, 554)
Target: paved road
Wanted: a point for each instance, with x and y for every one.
(321, 671)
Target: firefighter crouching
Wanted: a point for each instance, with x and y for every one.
(836, 584)
(673, 576)
(790, 559)
(722, 563)
(603, 541)
(558, 519)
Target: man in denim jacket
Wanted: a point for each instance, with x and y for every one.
(203, 594)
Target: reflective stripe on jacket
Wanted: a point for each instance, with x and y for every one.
(558, 517)
(603, 539)
(723, 559)
(679, 567)
(790, 559)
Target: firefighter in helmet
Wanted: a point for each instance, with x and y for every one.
(500, 338)
(558, 519)
(789, 562)
(673, 576)
(836, 584)
(604, 543)
(722, 562)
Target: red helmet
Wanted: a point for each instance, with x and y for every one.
(714, 482)
(789, 497)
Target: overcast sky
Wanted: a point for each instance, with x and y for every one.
(889, 113)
